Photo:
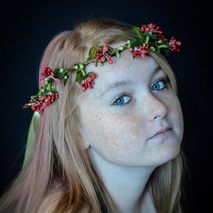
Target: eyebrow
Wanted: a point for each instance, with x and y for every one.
(126, 82)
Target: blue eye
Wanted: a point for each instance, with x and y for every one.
(122, 100)
(161, 83)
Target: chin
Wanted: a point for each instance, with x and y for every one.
(168, 153)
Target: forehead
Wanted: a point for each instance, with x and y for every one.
(123, 68)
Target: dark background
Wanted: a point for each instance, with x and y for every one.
(26, 29)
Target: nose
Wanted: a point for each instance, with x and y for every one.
(154, 108)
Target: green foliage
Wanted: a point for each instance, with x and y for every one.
(92, 53)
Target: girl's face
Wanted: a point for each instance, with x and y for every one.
(131, 101)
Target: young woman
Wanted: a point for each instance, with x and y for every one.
(107, 126)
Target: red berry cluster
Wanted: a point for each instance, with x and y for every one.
(45, 73)
(88, 82)
(151, 28)
(140, 51)
(44, 101)
(103, 55)
(174, 45)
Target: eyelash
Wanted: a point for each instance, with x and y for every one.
(165, 80)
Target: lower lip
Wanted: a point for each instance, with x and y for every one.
(162, 135)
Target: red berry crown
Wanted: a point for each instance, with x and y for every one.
(147, 37)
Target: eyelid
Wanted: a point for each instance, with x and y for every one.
(164, 78)
(121, 95)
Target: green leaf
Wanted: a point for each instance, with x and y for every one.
(66, 79)
(79, 77)
(56, 70)
(92, 53)
(110, 50)
(152, 48)
(153, 36)
(136, 43)
(89, 74)
(117, 54)
(137, 32)
(100, 63)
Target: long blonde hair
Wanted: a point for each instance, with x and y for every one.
(59, 175)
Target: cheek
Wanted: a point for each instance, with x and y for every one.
(117, 138)
(177, 117)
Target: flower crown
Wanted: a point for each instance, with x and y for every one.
(147, 37)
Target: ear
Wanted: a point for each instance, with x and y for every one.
(82, 135)
(84, 142)
(87, 146)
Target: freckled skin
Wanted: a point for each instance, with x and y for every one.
(120, 134)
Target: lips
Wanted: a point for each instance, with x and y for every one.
(161, 131)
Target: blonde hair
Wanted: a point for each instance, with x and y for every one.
(59, 176)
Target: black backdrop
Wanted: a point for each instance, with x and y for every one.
(26, 29)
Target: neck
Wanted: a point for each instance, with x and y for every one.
(125, 184)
